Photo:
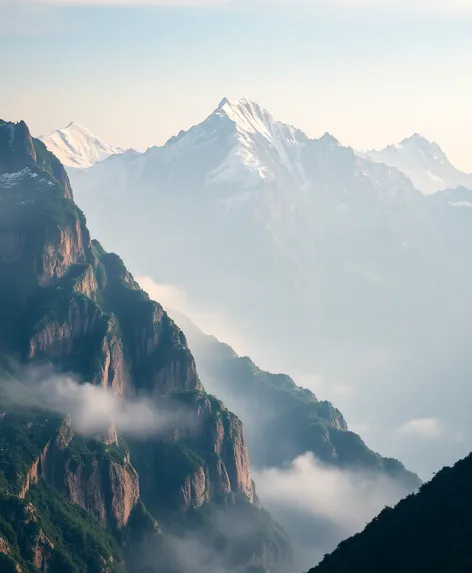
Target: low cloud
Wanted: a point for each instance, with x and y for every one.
(93, 409)
(345, 497)
(424, 428)
(321, 505)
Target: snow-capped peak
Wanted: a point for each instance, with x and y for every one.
(76, 126)
(258, 144)
(251, 146)
(424, 162)
(76, 146)
(419, 144)
(415, 139)
(245, 113)
(329, 139)
(250, 118)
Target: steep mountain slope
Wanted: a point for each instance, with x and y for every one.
(66, 302)
(424, 162)
(76, 146)
(286, 426)
(296, 243)
(427, 532)
(283, 420)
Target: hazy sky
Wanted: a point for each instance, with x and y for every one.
(136, 72)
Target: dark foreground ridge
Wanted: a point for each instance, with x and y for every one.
(427, 532)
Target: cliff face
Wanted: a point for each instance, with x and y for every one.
(88, 476)
(205, 461)
(65, 301)
(283, 420)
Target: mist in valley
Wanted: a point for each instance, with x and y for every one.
(332, 269)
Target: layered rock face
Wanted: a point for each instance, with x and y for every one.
(65, 301)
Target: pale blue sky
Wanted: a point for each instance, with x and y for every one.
(369, 72)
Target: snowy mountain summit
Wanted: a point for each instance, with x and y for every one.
(240, 156)
(76, 146)
(244, 143)
(270, 227)
(424, 162)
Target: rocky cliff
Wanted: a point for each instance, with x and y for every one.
(66, 302)
(283, 420)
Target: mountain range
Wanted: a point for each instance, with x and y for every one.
(113, 456)
(422, 161)
(85, 469)
(302, 442)
(294, 242)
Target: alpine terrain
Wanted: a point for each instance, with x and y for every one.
(139, 470)
(76, 146)
(303, 442)
(296, 243)
(424, 162)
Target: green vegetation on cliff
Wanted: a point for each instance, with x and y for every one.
(45, 531)
(41, 528)
(86, 503)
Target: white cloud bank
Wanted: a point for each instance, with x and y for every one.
(321, 505)
(346, 498)
(94, 409)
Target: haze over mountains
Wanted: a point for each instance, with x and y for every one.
(114, 458)
(293, 244)
(424, 162)
(428, 532)
(283, 241)
(86, 358)
(315, 474)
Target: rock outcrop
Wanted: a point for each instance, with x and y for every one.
(87, 474)
(67, 302)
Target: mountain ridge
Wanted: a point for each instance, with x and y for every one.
(75, 146)
(427, 532)
(287, 426)
(274, 397)
(359, 255)
(424, 162)
(68, 303)
(250, 118)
